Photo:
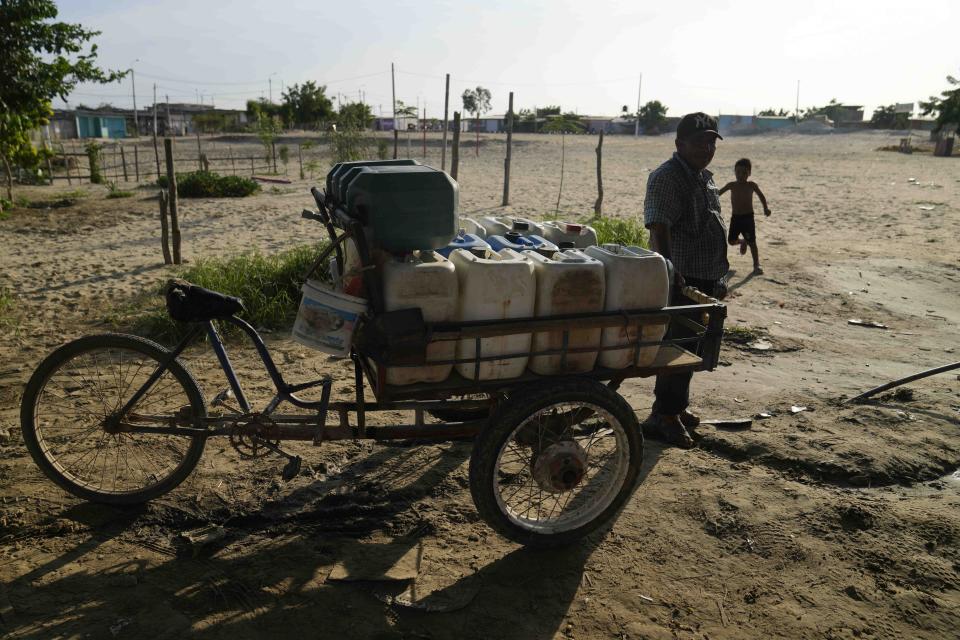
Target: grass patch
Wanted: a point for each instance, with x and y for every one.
(114, 192)
(742, 335)
(268, 285)
(6, 308)
(207, 184)
(629, 232)
(76, 194)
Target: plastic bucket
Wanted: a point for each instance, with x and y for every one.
(326, 318)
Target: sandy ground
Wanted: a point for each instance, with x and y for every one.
(836, 522)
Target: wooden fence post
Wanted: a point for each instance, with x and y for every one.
(396, 139)
(455, 151)
(563, 157)
(116, 164)
(252, 169)
(199, 153)
(446, 125)
(300, 158)
(49, 162)
(136, 162)
(66, 163)
(273, 154)
(598, 206)
(172, 189)
(156, 151)
(123, 160)
(233, 163)
(506, 161)
(164, 227)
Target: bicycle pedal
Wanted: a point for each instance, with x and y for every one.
(291, 469)
(221, 397)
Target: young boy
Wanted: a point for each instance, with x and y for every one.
(741, 199)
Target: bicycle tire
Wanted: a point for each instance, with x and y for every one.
(511, 425)
(68, 370)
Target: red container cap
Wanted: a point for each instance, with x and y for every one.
(574, 228)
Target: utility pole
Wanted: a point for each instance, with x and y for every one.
(155, 111)
(270, 85)
(636, 128)
(393, 89)
(133, 83)
(796, 113)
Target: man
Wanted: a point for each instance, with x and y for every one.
(682, 212)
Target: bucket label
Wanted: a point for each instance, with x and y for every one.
(322, 326)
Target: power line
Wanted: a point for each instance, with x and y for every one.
(519, 84)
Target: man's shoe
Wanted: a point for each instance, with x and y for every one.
(669, 429)
(689, 420)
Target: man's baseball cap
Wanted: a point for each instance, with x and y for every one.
(694, 123)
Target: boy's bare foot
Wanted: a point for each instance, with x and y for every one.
(743, 247)
(757, 269)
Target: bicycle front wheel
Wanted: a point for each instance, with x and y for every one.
(72, 428)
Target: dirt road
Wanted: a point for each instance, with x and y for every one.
(833, 522)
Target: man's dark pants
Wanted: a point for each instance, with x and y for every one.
(672, 392)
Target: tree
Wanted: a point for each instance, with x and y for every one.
(947, 106)
(888, 118)
(355, 114)
(833, 110)
(41, 60)
(406, 110)
(261, 108)
(476, 101)
(566, 123)
(653, 117)
(306, 105)
(780, 113)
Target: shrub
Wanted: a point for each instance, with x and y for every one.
(268, 285)
(207, 184)
(7, 308)
(620, 231)
(114, 192)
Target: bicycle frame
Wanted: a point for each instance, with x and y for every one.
(290, 426)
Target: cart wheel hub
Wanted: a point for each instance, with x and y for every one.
(560, 467)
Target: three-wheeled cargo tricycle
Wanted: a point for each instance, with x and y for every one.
(120, 419)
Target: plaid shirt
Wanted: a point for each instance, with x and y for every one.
(687, 202)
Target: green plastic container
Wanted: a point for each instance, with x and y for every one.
(404, 208)
(339, 169)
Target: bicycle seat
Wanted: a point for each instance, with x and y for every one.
(189, 303)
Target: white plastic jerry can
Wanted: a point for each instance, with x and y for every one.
(494, 286)
(581, 235)
(636, 278)
(498, 226)
(472, 227)
(569, 282)
(427, 280)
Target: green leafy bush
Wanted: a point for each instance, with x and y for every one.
(207, 184)
(268, 285)
(620, 231)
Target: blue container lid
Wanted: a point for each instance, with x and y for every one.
(517, 242)
(463, 241)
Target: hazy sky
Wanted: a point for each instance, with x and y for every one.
(720, 57)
